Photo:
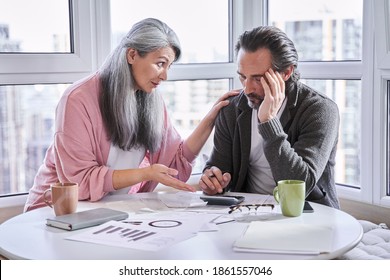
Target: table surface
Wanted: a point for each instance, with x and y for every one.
(26, 236)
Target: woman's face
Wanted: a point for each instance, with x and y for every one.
(150, 70)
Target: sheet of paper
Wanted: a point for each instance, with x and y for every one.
(181, 200)
(291, 238)
(260, 199)
(147, 232)
(136, 204)
(134, 236)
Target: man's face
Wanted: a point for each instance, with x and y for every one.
(251, 68)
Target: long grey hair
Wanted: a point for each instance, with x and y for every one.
(282, 49)
(132, 117)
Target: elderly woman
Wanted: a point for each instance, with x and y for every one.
(113, 133)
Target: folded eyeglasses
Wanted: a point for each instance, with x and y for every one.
(253, 208)
(251, 212)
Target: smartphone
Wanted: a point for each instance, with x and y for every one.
(307, 208)
(222, 199)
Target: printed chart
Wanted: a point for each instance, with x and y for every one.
(149, 234)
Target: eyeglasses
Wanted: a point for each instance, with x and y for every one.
(252, 212)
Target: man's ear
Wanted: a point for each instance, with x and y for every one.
(130, 55)
(287, 73)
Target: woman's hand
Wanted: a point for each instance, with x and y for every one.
(219, 104)
(202, 132)
(164, 175)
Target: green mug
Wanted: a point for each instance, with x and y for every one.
(290, 194)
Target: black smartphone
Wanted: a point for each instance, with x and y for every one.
(307, 208)
(222, 199)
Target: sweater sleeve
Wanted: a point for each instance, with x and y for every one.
(307, 153)
(76, 163)
(221, 155)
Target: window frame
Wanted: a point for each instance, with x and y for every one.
(381, 78)
(28, 68)
(58, 68)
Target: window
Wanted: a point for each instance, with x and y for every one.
(188, 102)
(22, 30)
(347, 94)
(52, 47)
(382, 26)
(323, 32)
(26, 130)
(201, 42)
(334, 38)
(40, 54)
(34, 77)
(382, 104)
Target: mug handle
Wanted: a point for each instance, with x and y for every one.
(48, 202)
(276, 194)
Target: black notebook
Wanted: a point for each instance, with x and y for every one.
(86, 218)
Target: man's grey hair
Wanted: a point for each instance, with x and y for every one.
(283, 51)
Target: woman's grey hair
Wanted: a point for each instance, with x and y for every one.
(134, 119)
(283, 51)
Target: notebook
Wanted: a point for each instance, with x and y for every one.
(86, 218)
(285, 238)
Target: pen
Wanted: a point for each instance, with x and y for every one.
(224, 222)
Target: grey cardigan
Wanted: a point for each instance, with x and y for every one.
(301, 145)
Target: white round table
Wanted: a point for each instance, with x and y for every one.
(26, 236)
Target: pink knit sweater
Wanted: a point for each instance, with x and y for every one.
(80, 149)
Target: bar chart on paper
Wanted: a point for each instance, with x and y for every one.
(149, 235)
(126, 233)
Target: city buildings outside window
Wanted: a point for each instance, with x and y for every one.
(323, 32)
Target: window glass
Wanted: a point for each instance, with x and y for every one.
(202, 25)
(26, 131)
(37, 26)
(322, 30)
(347, 95)
(188, 102)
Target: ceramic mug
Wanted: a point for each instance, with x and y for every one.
(290, 194)
(64, 198)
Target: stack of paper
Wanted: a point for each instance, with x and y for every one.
(286, 238)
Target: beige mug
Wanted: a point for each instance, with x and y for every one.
(64, 198)
(290, 194)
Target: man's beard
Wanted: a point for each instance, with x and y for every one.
(150, 114)
(251, 104)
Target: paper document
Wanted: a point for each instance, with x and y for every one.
(147, 232)
(274, 237)
(181, 200)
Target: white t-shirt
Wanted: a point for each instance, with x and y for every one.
(119, 159)
(260, 179)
